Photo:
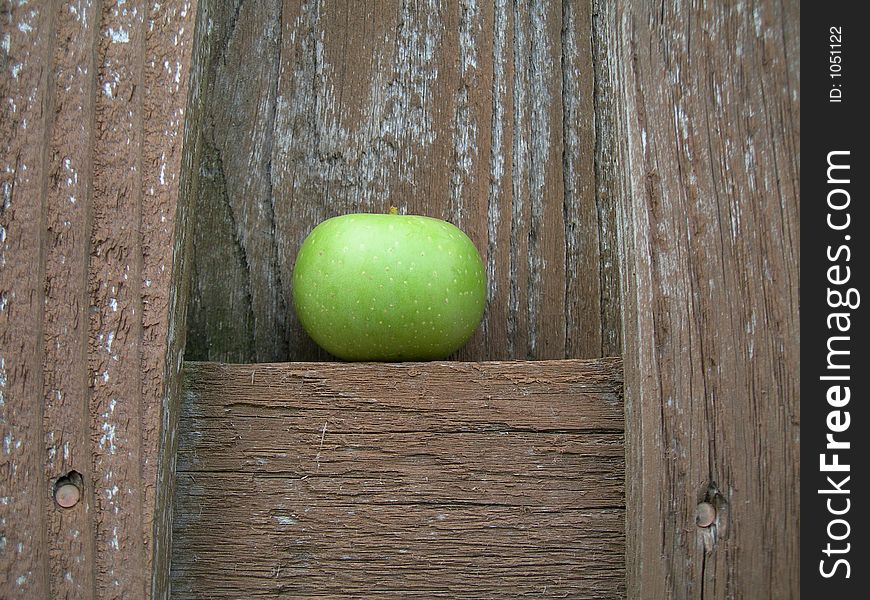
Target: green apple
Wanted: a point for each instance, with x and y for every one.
(388, 287)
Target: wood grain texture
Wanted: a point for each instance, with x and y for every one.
(93, 96)
(492, 479)
(479, 113)
(702, 105)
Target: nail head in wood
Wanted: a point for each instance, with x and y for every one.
(68, 489)
(67, 495)
(705, 514)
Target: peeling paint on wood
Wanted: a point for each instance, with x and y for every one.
(114, 283)
(27, 32)
(168, 82)
(455, 110)
(65, 320)
(445, 479)
(92, 98)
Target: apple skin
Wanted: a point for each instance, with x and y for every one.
(388, 287)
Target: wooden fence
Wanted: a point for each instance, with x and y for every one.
(629, 172)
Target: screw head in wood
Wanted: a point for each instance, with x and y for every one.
(705, 514)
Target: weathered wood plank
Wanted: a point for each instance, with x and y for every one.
(27, 45)
(165, 310)
(92, 98)
(429, 479)
(171, 82)
(704, 103)
(590, 286)
(580, 471)
(446, 395)
(114, 281)
(66, 414)
(610, 183)
(453, 110)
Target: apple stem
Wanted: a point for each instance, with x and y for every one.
(393, 210)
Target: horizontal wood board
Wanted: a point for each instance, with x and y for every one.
(480, 113)
(92, 118)
(477, 480)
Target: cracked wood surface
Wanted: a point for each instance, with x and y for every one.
(702, 149)
(476, 112)
(91, 125)
(445, 479)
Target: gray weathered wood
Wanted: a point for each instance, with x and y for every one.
(491, 479)
(479, 113)
(698, 107)
(91, 123)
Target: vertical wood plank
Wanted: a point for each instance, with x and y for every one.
(169, 80)
(538, 180)
(591, 260)
(93, 96)
(610, 184)
(707, 105)
(27, 46)
(67, 422)
(115, 280)
(499, 310)
(233, 242)
(171, 87)
(455, 110)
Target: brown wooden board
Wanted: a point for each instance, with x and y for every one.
(92, 101)
(480, 113)
(700, 150)
(444, 479)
